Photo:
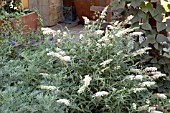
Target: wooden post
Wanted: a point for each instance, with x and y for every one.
(24, 3)
(51, 11)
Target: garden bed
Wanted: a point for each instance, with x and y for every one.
(98, 72)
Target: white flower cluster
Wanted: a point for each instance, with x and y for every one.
(60, 55)
(136, 34)
(65, 34)
(143, 108)
(134, 106)
(114, 89)
(99, 32)
(130, 77)
(100, 94)
(120, 33)
(150, 109)
(48, 31)
(103, 14)
(141, 51)
(104, 39)
(154, 111)
(138, 71)
(148, 83)
(44, 74)
(150, 69)
(48, 87)
(81, 90)
(86, 20)
(147, 101)
(158, 75)
(111, 27)
(81, 36)
(138, 89)
(153, 72)
(133, 77)
(106, 62)
(167, 49)
(64, 101)
(86, 81)
(138, 77)
(117, 67)
(163, 96)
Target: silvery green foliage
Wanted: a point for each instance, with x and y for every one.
(25, 85)
(100, 75)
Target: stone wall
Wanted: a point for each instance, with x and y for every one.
(50, 10)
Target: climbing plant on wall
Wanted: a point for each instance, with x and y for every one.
(152, 19)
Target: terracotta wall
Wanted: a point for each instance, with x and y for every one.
(68, 3)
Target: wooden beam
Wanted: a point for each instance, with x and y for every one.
(99, 8)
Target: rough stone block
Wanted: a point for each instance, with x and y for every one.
(51, 11)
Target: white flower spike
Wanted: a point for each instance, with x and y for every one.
(64, 101)
(87, 80)
(100, 94)
(106, 62)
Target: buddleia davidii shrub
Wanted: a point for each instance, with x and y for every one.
(99, 72)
